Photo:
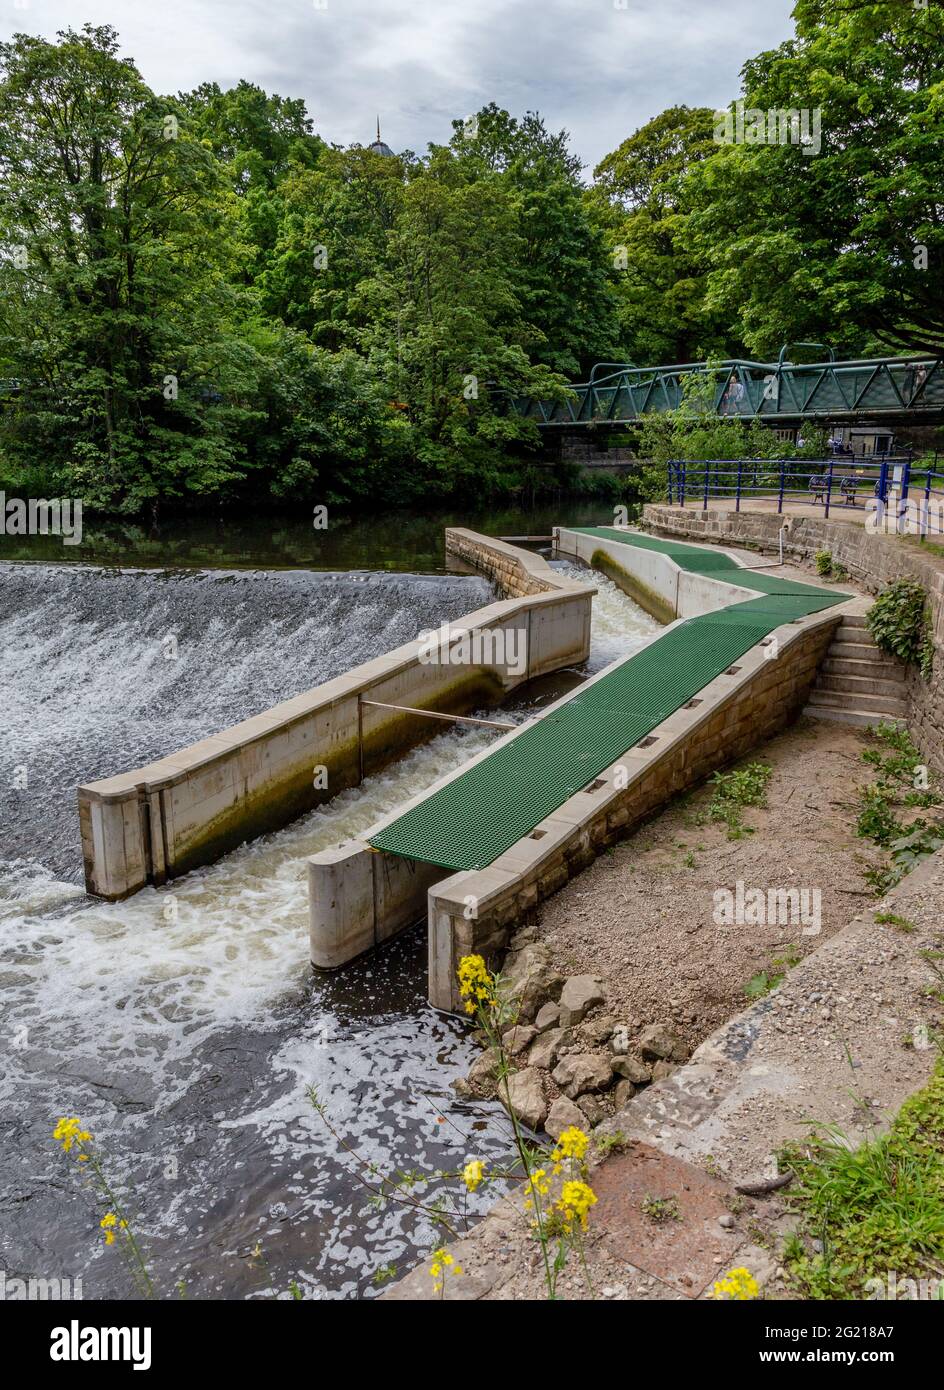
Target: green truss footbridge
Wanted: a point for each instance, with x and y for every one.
(890, 389)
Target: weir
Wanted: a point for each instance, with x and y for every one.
(734, 665)
(161, 820)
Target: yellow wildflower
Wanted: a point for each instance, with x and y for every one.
(738, 1284)
(576, 1199)
(572, 1143)
(69, 1131)
(108, 1223)
(442, 1262)
(540, 1182)
(473, 1172)
(475, 983)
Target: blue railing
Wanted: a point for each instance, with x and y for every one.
(908, 497)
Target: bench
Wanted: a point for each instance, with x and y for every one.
(848, 487)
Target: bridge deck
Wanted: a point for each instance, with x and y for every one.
(471, 820)
(890, 389)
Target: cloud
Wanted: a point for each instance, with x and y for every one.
(587, 65)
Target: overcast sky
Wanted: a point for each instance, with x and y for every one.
(600, 68)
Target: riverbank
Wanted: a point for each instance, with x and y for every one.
(839, 1041)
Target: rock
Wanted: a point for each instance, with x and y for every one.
(548, 1016)
(598, 1030)
(523, 1092)
(462, 1088)
(659, 1043)
(582, 1072)
(592, 1108)
(619, 1039)
(516, 1039)
(525, 936)
(726, 1222)
(625, 1090)
(580, 994)
(661, 1070)
(482, 1075)
(563, 1113)
(532, 979)
(633, 1070)
(545, 1050)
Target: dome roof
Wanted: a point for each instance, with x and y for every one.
(380, 147)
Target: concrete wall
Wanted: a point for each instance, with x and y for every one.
(159, 821)
(653, 580)
(359, 898)
(872, 561)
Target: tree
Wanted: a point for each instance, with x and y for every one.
(262, 141)
(842, 244)
(640, 189)
(562, 275)
(114, 226)
(445, 326)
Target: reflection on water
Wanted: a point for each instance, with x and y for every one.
(184, 1025)
(387, 541)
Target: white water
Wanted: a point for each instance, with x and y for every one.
(119, 1011)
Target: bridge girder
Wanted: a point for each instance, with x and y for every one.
(889, 389)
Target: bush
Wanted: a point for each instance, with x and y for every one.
(824, 563)
(899, 622)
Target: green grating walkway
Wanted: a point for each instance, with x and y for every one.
(473, 819)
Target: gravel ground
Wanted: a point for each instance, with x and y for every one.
(640, 916)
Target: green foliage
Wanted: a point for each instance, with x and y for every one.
(900, 771)
(746, 786)
(640, 198)
(228, 308)
(824, 563)
(766, 980)
(898, 621)
(876, 820)
(874, 1207)
(894, 919)
(243, 311)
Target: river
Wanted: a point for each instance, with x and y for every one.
(188, 1045)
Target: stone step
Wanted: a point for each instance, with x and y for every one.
(837, 667)
(856, 620)
(861, 685)
(861, 718)
(856, 700)
(857, 651)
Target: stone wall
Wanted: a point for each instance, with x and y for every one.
(516, 573)
(872, 561)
